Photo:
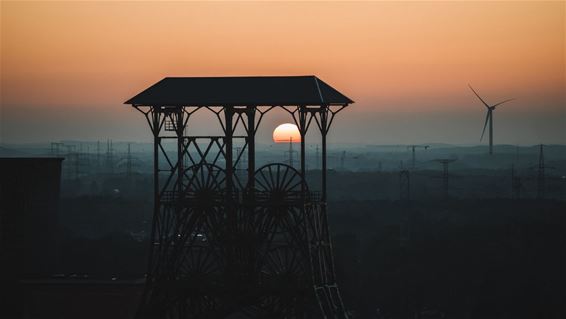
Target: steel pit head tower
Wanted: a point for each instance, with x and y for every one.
(225, 244)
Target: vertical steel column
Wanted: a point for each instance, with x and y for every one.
(414, 156)
(231, 213)
(179, 126)
(324, 129)
(303, 132)
(156, 193)
(228, 135)
(332, 299)
(250, 112)
(155, 128)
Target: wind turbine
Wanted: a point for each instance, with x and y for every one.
(488, 118)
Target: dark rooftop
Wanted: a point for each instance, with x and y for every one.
(240, 91)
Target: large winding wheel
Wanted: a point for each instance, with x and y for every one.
(278, 183)
(278, 223)
(194, 257)
(280, 204)
(250, 260)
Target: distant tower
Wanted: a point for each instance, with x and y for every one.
(56, 148)
(445, 176)
(73, 162)
(128, 162)
(88, 158)
(291, 153)
(98, 154)
(414, 158)
(109, 156)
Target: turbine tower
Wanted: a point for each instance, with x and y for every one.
(488, 119)
(414, 158)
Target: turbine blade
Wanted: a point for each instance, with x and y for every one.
(478, 96)
(485, 125)
(502, 102)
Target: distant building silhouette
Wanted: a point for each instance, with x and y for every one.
(29, 197)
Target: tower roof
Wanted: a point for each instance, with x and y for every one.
(240, 91)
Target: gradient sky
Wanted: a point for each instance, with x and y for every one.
(67, 67)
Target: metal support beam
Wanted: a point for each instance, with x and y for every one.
(251, 129)
(323, 132)
(303, 131)
(229, 132)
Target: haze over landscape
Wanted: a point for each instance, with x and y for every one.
(67, 67)
(269, 206)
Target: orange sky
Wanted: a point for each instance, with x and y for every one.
(390, 57)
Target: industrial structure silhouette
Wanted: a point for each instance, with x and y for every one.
(445, 176)
(223, 244)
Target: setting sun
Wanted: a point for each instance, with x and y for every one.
(286, 133)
